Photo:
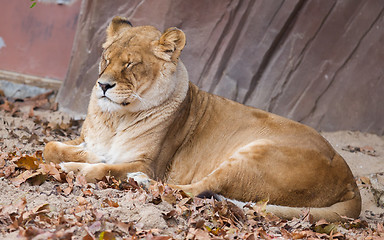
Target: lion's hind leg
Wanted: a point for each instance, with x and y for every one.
(262, 171)
(238, 177)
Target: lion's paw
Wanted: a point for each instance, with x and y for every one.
(92, 172)
(70, 166)
(141, 178)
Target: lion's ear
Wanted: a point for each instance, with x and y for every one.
(117, 25)
(170, 44)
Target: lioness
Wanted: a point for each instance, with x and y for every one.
(145, 116)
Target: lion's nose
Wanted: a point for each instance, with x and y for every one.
(106, 86)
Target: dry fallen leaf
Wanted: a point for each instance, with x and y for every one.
(170, 214)
(128, 228)
(51, 170)
(107, 235)
(37, 179)
(17, 181)
(87, 192)
(81, 200)
(3, 156)
(81, 181)
(365, 180)
(88, 237)
(28, 162)
(94, 227)
(109, 203)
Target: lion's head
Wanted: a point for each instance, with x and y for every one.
(137, 66)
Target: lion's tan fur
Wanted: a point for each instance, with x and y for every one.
(149, 118)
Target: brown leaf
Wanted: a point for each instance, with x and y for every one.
(369, 150)
(78, 209)
(12, 211)
(170, 215)
(87, 192)
(63, 175)
(54, 107)
(28, 162)
(88, 237)
(7, 106)
(67, 190)
(3, 156)
(251, 237)
(184, 194)
(58, 189)
(327, 228)
(107, 235)
(184, 201)
(366, 150)
(102, 185)
(169, 197)
(299, 235)
(43, 208)
(231, 211)
(127, 227)
(16, 223)
(159, 237)
(200, 223)
(133, 183)
(365, 180)
(64, 234)
(81, 181)
(81, 200)
(156, 200)
(95, 227)
(285, 234)
(31, 114)
(69, 179)
(33, 137)
(98, 214)
(23, 177)
(357, 223)
(21, 205)
(199, 234)
(110, 203)
(64, 126)
(38, 179)
(51, 170)
(321, 222)
(31, 232)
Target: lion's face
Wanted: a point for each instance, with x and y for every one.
(137, 66)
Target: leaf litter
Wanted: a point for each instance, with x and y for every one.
(40, 201)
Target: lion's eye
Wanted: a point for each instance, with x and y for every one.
(104, 62)
(103, 65)
(127, 65)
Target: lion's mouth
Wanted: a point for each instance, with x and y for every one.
(110, 100)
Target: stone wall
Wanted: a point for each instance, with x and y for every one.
(319, 62)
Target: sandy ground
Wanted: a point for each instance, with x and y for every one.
(28, 133)
(368, 169)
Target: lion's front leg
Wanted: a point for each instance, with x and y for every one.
(96, 171)
(58, 152)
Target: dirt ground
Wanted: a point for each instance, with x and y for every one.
(71, 208)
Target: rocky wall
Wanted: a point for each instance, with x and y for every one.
(319, 62)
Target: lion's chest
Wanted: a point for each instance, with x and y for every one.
(112, 152)
(120, 144)
(112, 146)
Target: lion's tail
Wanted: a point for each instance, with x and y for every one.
(340, 211)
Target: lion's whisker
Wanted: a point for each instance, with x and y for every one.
(138, 97)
